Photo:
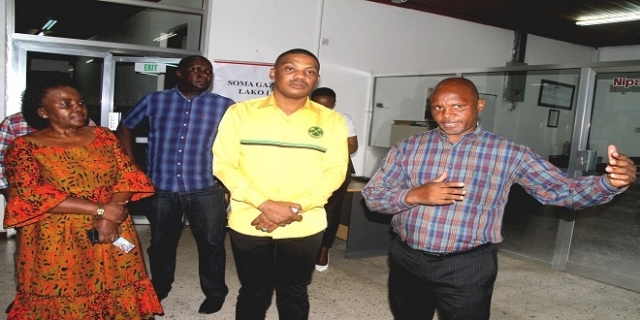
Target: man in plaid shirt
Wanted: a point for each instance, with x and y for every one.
(447, 189)
(11, 127)
(183, 122)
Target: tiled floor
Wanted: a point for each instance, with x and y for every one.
(356, 289)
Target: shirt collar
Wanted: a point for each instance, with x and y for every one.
(469, 135)
(176, 90)
(270, 101)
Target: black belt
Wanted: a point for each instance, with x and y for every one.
(457, 253)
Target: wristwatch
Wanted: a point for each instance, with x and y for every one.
(99, 212)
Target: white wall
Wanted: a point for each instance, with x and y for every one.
(547, 51)
(3, 69)
(258, 31)
(619, 53)
(3, 59)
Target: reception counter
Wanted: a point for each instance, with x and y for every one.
(366, 233)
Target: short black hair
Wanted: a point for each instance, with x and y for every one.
(296, 51)
(323, 91)
(184, 62)
(33, 95)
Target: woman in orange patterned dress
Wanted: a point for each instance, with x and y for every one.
(64, 179)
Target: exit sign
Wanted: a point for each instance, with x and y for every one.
(151, 67)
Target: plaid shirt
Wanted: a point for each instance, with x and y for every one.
(11, 127)
(489, 165)
(179, 156)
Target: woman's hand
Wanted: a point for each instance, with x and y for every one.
(108, 231)
(115, 211)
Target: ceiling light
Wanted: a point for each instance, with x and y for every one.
(398, 1)
(609, 19)
(165, 36)
(49, 24)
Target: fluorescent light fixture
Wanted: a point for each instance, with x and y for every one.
(165, 36)
(49, 24)
(608, 19)
(89, 61)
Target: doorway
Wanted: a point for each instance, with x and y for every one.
(110, 83)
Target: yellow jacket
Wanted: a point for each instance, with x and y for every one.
(262, 154)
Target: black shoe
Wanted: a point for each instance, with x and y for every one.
(9, 307)
(211, 305)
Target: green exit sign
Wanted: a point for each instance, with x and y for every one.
(146, 67)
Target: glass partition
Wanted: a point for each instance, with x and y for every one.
(607, 238)
(529, 228)
(400, 108)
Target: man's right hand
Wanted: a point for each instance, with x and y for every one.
(116, 211)
(275, 214)
(437, 192)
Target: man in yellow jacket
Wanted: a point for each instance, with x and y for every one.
(281, 157)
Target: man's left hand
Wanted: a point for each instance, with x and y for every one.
(621, 171)
(275, 214)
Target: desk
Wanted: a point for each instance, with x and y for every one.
(369, 233)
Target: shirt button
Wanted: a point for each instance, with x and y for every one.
(180, 151)
(185, 124)
(181, 137)
(179, 163)
(178, 175)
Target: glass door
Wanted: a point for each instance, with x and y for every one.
(605, 242)
(529, 228)
(111, 85)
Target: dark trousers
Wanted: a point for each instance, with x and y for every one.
(458, 286)
(264, 264)
(333, 209)
(206, 213)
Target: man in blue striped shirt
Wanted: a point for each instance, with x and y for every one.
(183, 123)
(447, 189)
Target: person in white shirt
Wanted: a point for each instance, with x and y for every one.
(327, 97)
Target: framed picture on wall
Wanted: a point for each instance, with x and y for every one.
(556, 94)
(552, 119)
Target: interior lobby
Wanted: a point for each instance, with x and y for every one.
(567, 101)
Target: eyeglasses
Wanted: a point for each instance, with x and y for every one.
(200, 70)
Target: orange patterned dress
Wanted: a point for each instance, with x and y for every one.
(61, 275)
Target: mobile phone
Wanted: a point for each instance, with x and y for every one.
(93, 235)
(124, 244)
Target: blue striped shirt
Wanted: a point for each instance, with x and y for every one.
(489, 165)
(181, 134)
